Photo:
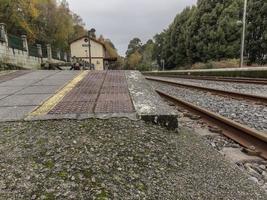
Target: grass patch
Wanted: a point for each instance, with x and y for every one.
(49, 164)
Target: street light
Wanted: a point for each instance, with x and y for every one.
(90, 34)
(162, 64)
(243, 34)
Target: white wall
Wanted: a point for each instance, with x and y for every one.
(80, 49)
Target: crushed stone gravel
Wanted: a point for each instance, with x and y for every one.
(113, 159)
(244, 112)
(255, 89)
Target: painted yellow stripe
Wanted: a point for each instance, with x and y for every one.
(54, 100)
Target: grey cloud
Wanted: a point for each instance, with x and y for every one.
(121, 20)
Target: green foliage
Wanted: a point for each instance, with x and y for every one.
(49, 21)
(139, 57)
(257, 31)
(134, 45)
(210, 31)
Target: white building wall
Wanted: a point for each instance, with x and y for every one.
(80, 49)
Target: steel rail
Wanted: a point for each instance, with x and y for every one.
(214, 78)
(245, 136)
(242, 96)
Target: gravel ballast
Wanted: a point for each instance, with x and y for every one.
(113, 159)
(255, 89)
(244, 112)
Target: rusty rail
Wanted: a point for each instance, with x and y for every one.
(258, 98)
(261, 81)
(241, 134)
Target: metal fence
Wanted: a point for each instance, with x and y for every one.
(62, 56)
(15, 42)
(33, 51)
(44, 51)
(54, 54)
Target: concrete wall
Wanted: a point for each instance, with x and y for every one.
(18, 57)
(21, 58)
(80, 49)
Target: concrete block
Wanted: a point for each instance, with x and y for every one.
(148, 104)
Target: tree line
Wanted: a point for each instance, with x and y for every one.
(209, 31)
(46, 21)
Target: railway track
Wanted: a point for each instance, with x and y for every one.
(257, 98)
(221, 79)
(254, 141)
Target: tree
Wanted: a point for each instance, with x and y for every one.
(134, 45)
(257, 32)
(43, 21)
(147, 60)
(19, 15)
(134, 60)
(210, 31)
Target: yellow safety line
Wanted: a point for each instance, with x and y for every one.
(54, 100)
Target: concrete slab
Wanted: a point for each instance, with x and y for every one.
(6, 76)
(20, 96)
(37, 75)
(39, 90)
(10, 90)
(2, 96)
(14, 113)
(51, 82)
(148, 104)
(24, 100)
(16, 83)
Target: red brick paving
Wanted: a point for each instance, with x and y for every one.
(98, 92)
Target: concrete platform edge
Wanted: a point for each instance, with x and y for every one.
(148, 104)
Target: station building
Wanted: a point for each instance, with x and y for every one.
(99, 55)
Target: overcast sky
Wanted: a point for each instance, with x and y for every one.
(122, 20)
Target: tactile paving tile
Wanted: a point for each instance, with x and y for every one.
(74, 107)
(114, 107)
(114, 95)
(114, 90)
(98, 92)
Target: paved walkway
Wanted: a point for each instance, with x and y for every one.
(63, 93)
(21, 92)
(43, 95)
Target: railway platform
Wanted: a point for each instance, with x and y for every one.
(110, 154)
(43, 95)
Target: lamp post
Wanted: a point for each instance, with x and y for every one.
(162, 64)
(90, 33)
(243, 34)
